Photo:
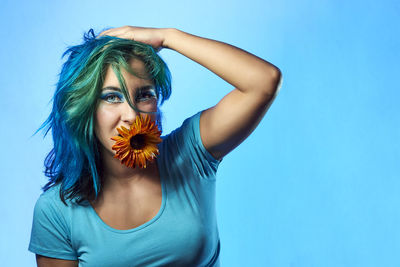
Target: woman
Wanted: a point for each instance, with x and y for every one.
(151, 210)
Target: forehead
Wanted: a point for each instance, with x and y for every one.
(131, 80)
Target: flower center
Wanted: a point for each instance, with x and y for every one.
(138, 141)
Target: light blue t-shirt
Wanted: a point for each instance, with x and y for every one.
(183, 233)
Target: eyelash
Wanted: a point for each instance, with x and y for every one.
(143, 95)
(149, 94)
(107, 96)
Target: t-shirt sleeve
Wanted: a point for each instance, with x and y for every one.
(50, 234)
(187, 141)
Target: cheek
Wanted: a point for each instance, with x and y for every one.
(105, 121)
(153, 117)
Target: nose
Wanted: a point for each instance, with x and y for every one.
(128, 114)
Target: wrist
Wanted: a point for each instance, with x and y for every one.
(168, 36)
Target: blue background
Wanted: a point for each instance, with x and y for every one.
(316, 184)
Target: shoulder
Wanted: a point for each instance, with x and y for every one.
(184, 146)
(187, 125)
(183, 137)
(49, 204)
(51, 227)
(51, 195)
(48, 198)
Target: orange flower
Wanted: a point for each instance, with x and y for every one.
(138, 145)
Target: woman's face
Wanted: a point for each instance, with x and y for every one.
(113, 111)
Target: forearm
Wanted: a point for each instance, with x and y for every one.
(241, 69)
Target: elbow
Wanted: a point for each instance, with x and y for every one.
(278, 81)
(276, 76)
(273, 82)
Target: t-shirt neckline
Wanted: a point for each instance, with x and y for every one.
(155, 218)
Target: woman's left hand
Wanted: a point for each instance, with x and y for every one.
(151, 36)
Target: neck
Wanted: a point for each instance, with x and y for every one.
(117, 175)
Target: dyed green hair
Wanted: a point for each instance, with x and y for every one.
(74, 161)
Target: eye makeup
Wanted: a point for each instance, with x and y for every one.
(112, 97)
(142, 94)
(145, 95)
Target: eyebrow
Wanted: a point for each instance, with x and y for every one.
(113, 88)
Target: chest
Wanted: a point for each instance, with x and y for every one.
(173, 239)
(133, 208)
(183, 233)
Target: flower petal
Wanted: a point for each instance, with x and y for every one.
(137, 157)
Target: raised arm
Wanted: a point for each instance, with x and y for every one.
(256, 81)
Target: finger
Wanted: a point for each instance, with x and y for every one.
(105, 31)
(101, 34)
(116, 32)
(111, 32)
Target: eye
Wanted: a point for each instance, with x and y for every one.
(112, 98)
(145, 95)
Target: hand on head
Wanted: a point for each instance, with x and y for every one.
(151, 36)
